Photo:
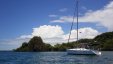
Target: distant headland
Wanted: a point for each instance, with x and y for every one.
(103, 42)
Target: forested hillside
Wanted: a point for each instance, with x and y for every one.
(103, 41)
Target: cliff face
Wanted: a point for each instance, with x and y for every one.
(35, 44)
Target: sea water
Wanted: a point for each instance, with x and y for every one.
(54, 58)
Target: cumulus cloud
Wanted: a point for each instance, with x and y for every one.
(104, 17)
(50, 34)
(55, 34)
(48, 31)
(86, 32)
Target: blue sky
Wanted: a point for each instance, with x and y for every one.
(19, 17)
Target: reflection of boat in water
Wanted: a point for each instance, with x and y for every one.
(80, 50)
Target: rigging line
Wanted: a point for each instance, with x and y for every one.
(75, 13)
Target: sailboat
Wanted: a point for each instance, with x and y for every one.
(80, 50)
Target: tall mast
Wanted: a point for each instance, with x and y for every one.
(75, 14)
(77, 18)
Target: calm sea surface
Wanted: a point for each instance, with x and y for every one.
(53, 58)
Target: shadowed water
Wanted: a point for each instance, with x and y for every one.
(53, 58)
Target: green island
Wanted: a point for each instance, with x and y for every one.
(103, 42)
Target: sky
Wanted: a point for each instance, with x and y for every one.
(20, 20)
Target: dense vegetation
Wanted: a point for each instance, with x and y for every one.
(101, 42)
(104, 41)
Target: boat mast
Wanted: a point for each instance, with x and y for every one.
(75, 14)
(77, 18)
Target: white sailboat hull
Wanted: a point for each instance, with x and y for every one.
(82, 51)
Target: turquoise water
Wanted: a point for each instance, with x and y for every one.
(53, 58)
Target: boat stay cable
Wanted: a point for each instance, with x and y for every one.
(75, 14)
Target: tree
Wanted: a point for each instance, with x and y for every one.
(108, 45)
(23, 48)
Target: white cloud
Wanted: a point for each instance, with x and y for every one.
(52, 15)
(63, 9)
(55, 34)
(48, 31)
(103, 17)
(12, 43)
(50, 34)
(86, 32)
(60, 21)
(25, 36)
